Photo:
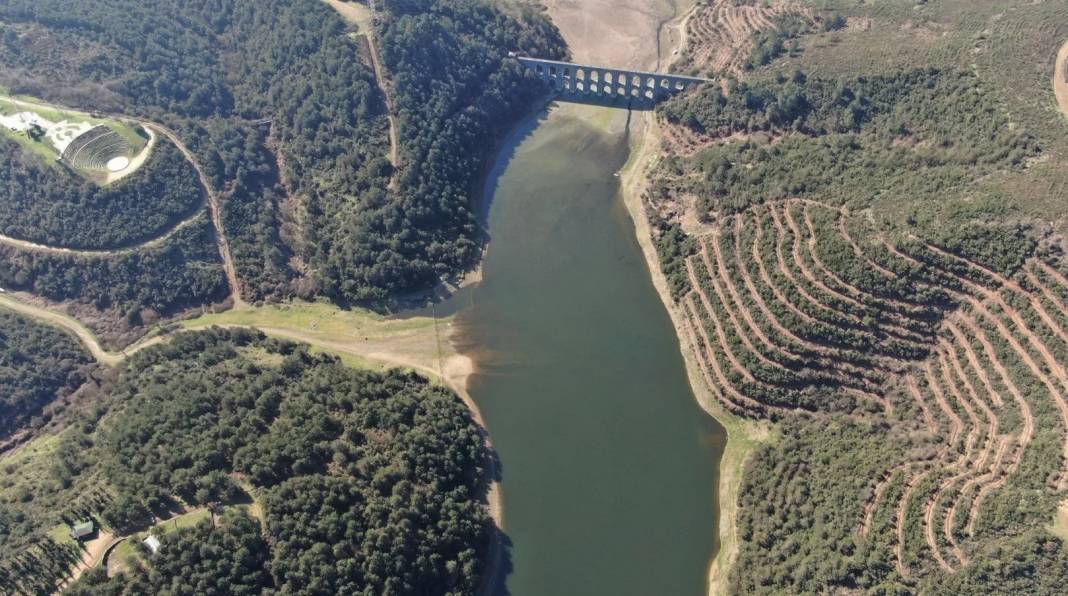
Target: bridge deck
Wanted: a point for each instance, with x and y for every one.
(587, 81)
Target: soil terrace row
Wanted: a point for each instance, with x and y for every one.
(780, 329)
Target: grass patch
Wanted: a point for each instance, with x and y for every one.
(1059, 527)
(361, 338)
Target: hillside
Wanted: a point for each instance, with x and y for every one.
(869, 250)
(280, 106)
(359, 480)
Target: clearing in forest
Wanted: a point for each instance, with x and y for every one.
(102, 150)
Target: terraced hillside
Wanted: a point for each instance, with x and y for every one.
(956, 363)
(721, 34)
(792, 316)
(869, 251)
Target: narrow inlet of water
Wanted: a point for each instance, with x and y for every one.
(609, 466)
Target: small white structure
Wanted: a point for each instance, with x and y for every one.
(59, 134)
(118, 164)
(152, 543)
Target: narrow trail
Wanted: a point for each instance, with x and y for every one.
(881, 486)
(899, 523)
(917, 396)
(1060, 78)
(380, 78)
(84, 335)
(216, 215)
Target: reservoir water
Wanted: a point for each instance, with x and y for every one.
(609, 466)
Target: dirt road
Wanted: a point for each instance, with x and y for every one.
(1060, 78)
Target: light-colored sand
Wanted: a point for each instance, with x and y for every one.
(132, 165)
(1060, 78)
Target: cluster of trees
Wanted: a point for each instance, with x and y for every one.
(799, 505)
(38, 363)
(48, 204)
(369, 483)
(454, 92)
(210, 69)
(186, 270)
(225, 558)
(769, 44)
(838, 140)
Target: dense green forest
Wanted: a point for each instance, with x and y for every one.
(38, 363)
(368, 483)
(309, 206)
(48, 204)
(184, 271)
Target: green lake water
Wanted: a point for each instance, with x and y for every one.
(609, 466)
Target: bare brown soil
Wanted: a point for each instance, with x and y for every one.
(899, 523)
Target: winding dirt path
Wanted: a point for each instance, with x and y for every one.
(1060, 79)
(877, 495)
(216, 215)
(362, 17)
(899, 523)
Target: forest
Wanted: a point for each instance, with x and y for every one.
(51, 205)
(38, 364)
(368, 483)
(309, 207)
(834, 139)
(184, 271)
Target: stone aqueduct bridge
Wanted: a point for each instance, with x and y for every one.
(580, 81)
